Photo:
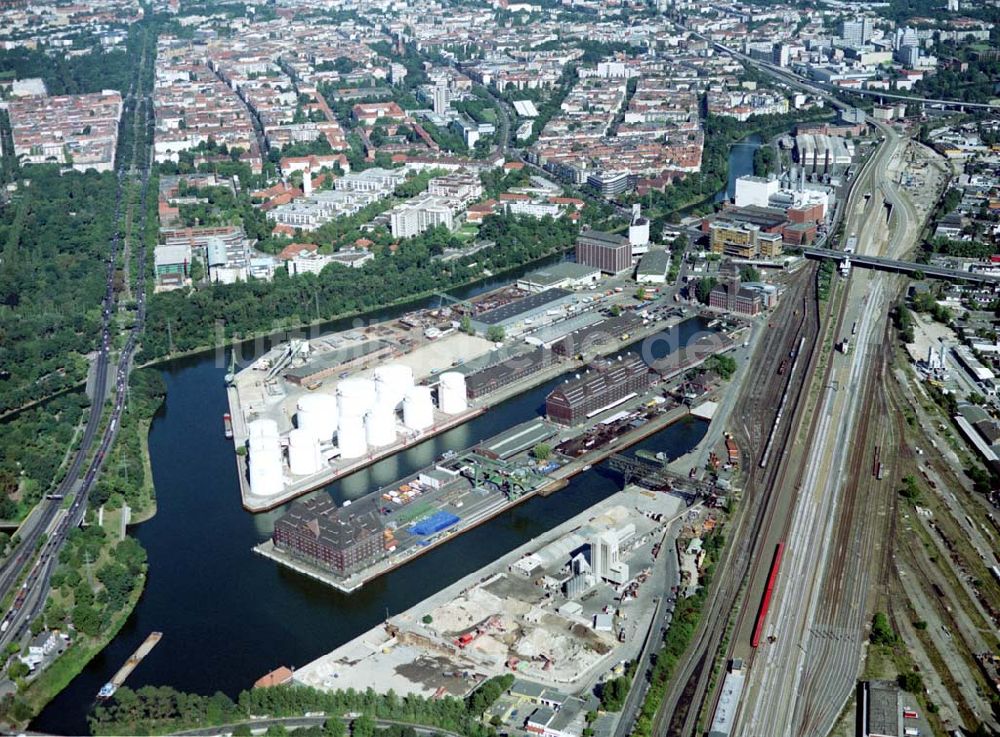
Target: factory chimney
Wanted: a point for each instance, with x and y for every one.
(307, 182)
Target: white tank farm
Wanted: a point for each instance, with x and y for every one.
(392, 382)
(451, 393)
(318, 413)
(418, 409)
(351, 436)
(262, 428)
(265, 477)
(380, 425)
(303, 452)
(355, 396)
(265, 458)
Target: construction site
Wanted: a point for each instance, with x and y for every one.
(562, 611)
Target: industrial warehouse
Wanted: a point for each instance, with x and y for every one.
(604, 385)
(612, 404)
(309, 412)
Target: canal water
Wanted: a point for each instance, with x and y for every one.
(229, 616)
(740, 164)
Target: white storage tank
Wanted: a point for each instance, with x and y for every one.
(380, 425)
(264, 458)
(351, 436)
(451, 393)
(262, 429)
(355, 396)
(392, 382)
(265, 474)
(318, 413)
(418, 409)
(303, 452)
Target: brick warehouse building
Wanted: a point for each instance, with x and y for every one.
(608, 252)
(605, 383)
(337, 539)
(730, 295)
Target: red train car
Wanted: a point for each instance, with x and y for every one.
(765, 602)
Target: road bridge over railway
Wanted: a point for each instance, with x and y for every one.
(903, 267)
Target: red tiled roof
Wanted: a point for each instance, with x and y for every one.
(294, 249)
(276, 677)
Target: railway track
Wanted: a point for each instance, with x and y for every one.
(767, 386)
(865, 511)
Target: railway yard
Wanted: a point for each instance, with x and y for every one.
(822, 536)
(793, 334)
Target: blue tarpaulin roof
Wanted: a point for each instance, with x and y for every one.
(435, 523)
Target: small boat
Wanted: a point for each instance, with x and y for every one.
(107, 691)
(227, 422)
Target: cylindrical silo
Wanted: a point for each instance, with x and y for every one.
(317, 412)
(262, 428)
(380, 425)
(264, 458)
(303, 452)
(265, 475)
(392, 382)
(355, 396)
(418, 409)
(351, 436)
(451, 393)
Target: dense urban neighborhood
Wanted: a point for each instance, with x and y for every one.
(577, 368)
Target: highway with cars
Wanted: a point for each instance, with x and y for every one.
(26, 572)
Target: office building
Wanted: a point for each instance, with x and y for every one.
(422, 213)
(857, 32)
(743, 240)
(441, 98)
(731, 296)
(611, 183)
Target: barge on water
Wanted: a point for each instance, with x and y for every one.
(108, 689)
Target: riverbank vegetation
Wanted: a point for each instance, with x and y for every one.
(184, 320)
(162, 710)
(125, 479)
(97, 583)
